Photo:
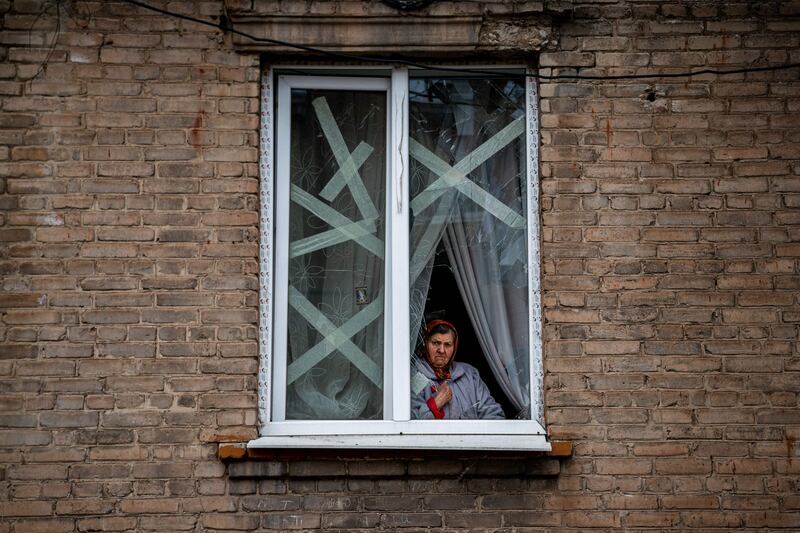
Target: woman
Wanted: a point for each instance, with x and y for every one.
(453, 390)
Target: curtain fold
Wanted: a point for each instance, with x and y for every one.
(490, 309)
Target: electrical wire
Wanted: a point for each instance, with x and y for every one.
(56, 33)
(227, 26)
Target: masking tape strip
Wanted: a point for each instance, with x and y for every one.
(335, 338)
(339, 180)
(339, 222)
(430, 238)
(346, 164)
(455, 176)
(331, 237)
(452, 179)
(491, 204)
(418, 382)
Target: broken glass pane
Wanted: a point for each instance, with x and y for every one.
(468, 198)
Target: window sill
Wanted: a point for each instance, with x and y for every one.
(470, 442)
(244, 451)
(250, 462)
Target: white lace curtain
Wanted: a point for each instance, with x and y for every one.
(336, 265)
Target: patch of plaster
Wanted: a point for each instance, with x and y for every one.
(50, 220)
(522, 35)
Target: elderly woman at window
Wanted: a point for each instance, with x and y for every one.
(454, 390)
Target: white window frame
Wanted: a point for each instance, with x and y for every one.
(397, 431)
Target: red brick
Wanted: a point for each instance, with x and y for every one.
(32, 317)
(585, 519)
(692, 501)
(573, 59)
(682, 466)
(22, 300)
(623, 466)
(651, 519)
(25, 508)
(148, 506)
(83, 507)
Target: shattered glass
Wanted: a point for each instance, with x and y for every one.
(467, 186)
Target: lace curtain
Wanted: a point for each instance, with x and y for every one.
(336, 266)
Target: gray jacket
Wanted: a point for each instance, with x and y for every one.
(471, 396)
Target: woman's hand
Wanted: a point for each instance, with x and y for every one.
(443, 395)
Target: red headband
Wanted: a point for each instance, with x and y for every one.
(433, 323)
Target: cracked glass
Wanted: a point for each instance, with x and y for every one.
(468, 203)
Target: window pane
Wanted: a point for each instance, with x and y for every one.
(336, 250)
(468, 229)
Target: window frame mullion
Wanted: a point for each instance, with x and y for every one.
(283, 128)
(398, 269)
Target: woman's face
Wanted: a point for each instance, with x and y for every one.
(439, 349)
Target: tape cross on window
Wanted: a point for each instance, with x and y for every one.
(335, 338)
(455, 177)
(348, 167)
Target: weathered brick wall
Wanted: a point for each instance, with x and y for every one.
(671, 266)
(128, 231)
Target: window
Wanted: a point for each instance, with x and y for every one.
(390, 197)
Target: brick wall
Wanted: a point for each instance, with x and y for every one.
(128, 230)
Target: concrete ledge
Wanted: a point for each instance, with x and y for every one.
(246, 462)
(478, 466)
(407, 35)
